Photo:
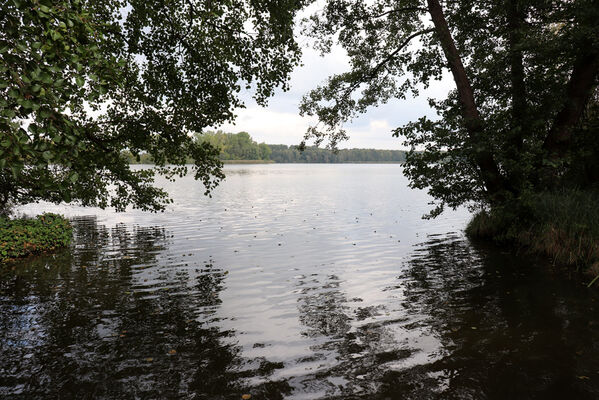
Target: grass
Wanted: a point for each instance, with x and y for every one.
(22, 237)
(562, 225)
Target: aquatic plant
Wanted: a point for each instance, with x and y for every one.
(25, 236)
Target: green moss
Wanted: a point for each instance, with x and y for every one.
(26, 236)
(562, 225)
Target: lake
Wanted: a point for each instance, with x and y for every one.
(298, 281)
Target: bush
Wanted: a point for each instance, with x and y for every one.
(25, 236)
(563, 225)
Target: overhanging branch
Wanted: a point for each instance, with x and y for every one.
(373, 72)
(401, 10)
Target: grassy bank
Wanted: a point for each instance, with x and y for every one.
(25, 236)
(562, 225)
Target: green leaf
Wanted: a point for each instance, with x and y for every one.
(56, 36)
(46, 78)
(66, 196)
(48, 155)
(8, 113)
(74, 176)
(80, 81)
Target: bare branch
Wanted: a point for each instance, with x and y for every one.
(401, 10)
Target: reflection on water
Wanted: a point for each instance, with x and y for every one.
(508, 327)
(108, 320)
(295, 282)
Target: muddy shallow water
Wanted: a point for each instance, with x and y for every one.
(294, 282)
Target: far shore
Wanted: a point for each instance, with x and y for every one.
(248, 161)
(274, 162)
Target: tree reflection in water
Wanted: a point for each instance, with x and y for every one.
(116, 318)
(122, 316)
(504, 331)
(500, 330)
(354, 345)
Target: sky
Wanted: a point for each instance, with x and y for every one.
(280, 122)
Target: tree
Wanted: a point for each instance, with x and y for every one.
(523, 72)
(83, 81)
(235, 146)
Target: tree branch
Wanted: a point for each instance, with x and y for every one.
(391, 55)
(401, 10)
(519, 104)
(372, 73)
(491, 176)
(578, 92)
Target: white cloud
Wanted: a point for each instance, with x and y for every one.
(280, 123)
(270, 126)
(276, 127)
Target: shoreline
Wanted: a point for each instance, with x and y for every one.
(563, 226)
(232, 162)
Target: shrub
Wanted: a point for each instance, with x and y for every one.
(563, 225)
(25, 236)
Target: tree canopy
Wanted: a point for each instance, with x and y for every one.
(519, 118)
(81, 81)
(235, 146)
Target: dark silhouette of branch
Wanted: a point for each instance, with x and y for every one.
(579, 90)
(372, 73)
(401, 10)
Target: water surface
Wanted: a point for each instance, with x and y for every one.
(294, 282)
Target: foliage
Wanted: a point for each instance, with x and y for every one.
(310, 154)
(563, 225)
(81, 81)
(241, 147)
(142, 158)
(235, 146)
(523, 72)
(22, 237)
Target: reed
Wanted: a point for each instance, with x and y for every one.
(563, 225)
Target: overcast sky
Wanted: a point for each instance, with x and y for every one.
(280, 123)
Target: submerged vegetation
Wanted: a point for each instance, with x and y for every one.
(21, 237)
(563, 225)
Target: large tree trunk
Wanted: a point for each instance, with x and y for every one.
(578, 92)
(515, 17)
(492, 178)
(515, 21)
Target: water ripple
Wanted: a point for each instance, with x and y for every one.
(296, 282)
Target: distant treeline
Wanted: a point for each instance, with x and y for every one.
(241, 147)
(236, 146)
(290, 154)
